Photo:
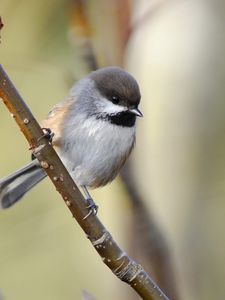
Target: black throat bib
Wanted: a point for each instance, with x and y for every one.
(123, 118)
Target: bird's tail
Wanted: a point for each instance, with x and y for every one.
(16, 185)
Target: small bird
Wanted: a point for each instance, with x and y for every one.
(94, 133)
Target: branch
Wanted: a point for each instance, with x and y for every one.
(115, 258)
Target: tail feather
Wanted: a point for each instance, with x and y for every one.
(16, 185)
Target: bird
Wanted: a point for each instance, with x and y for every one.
(94, 131)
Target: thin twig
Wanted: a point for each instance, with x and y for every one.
(112, 255)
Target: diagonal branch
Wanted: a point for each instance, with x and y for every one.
(112, 255)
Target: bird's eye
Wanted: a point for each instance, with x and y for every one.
(115, 99)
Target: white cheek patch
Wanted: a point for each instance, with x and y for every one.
(108, 107)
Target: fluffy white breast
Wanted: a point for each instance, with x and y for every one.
(93, 149)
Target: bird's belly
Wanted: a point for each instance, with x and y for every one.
(94, 154)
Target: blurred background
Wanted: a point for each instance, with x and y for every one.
(167, 209)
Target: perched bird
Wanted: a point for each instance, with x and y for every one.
(94, 133)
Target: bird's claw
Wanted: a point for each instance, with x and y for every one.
(47, 133)
(93, 208)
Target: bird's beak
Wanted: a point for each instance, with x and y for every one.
(136, 111)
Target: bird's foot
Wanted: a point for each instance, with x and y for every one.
(47, 133)
(93, 208)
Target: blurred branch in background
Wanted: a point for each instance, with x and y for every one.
(148, 243)
(81, 33)
(103, 27)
